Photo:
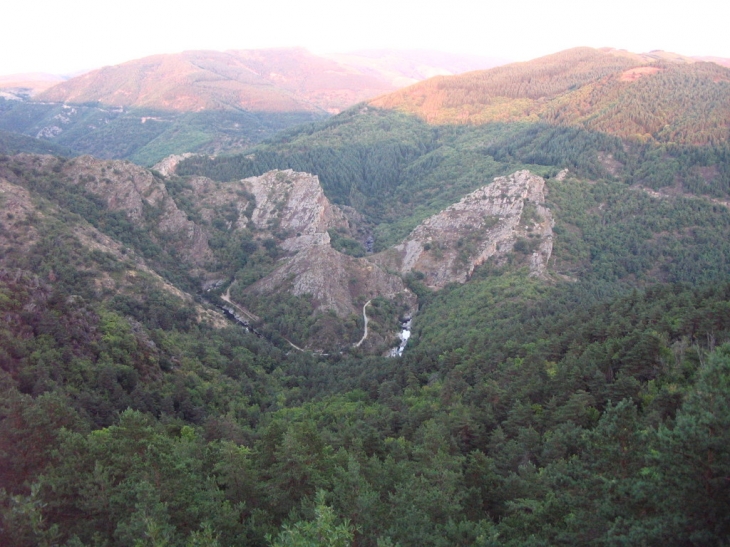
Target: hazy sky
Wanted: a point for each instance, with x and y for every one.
(64, 36)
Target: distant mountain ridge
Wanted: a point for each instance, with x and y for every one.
(723, 61)
(27, 84)
(272, 80)
(406, 67)
(269, 80)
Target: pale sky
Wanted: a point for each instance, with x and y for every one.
(63, 36)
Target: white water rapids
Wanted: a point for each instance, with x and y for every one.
(404, 335)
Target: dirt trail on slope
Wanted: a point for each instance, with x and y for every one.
(365, 318)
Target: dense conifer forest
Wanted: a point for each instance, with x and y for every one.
(523, 414)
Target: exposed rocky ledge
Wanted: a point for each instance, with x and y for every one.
(491, 221)
(168, 166)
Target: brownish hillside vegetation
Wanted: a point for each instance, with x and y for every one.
(657, 96)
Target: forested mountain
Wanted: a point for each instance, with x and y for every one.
(663, 98)
(567, 377)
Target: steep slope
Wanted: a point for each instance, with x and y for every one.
(263, 240)
(603, 232)
(289, 213)
(45, 246)
(268, 243)
(128, 216)
(653, 96)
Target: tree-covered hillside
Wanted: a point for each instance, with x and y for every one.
(13, 143)
(571, 414)
(586, 409)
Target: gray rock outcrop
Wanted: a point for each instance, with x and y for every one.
(507, 215)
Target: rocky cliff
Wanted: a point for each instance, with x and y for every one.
(507, 215)
(335, 281)
(295, 205)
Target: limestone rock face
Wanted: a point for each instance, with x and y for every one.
(292, 203)
(507, 215)
(287, 204)
(168, 166)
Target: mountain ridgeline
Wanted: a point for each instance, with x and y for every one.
(202, 353)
